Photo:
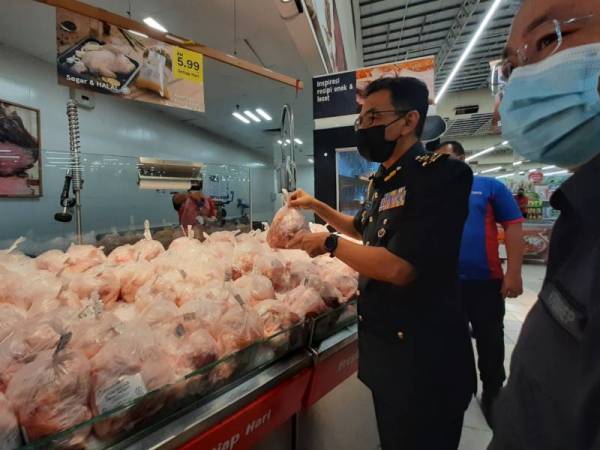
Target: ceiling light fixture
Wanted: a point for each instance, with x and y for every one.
(522, 173)
(508, 175)
(483, 152)
(238, 116)
(310, 160)
(298, 141)
(137, 33)
(253, 116)
(287, 141)
(517, 163)
(279, 141)
(493, 169)
(533, 170)
(263, 114)
(505, 143)
(548, 167)
(482, 26)
(559, 172)
(151, 22)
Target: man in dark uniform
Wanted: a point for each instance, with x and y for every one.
(415, 351)
(551, 114)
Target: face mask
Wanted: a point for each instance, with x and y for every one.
(551, 110)
(372, 144)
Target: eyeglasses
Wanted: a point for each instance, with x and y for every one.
(367, 119)
(544, 41)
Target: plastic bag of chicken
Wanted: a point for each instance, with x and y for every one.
(50, 394)
(286, 224)
(124, 370)
(10, 436)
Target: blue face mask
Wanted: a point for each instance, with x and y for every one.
(551, 110)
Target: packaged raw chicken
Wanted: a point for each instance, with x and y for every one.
(24, 288)
(50, 394)
(286, 224)
(272, 267)
(245, 254)
(100, 279)
(147, 249)
(276, 316)
(155, 72)
(133, 276)
(125, 369)
(122, 255)
(305, 301)
(52, 261)
(238, 328)
(253, 288)
(82, 257)
(10, 316)
(10, 436)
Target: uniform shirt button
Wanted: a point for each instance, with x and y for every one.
(360, 318)
(385, 221)
(367, 243)
(401, 335)
(376, 195)
(371, 219)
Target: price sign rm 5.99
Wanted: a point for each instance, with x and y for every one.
(187, 65)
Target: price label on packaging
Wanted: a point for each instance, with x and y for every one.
(125, 390)
(187, 65)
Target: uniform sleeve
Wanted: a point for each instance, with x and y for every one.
(506, 209)
(430, 238)
(358, 225)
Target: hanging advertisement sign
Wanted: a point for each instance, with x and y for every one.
(101, 57)
(342, 94)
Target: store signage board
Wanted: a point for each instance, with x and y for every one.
(255, 421)
(340, 94)
(332, 371)
(101, 57)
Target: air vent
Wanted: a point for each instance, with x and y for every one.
(463, 110)
(475, 125)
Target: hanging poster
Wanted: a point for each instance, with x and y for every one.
(101, 57)
(341, 94)
(20, 168)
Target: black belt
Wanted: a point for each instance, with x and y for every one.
(563, 310)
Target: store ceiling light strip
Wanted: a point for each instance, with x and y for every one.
(482, 26)
(298, 141)
(548, 167)
(558, 172)
(508, 175)
(494, 169)
(517, 163)
(151, 22)
(483, 152)
(262, 113)
(238, 116)
(253, 116)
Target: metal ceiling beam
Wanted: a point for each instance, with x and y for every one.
(409, 17)
(393, 9)
(358, 37)
(455, 32)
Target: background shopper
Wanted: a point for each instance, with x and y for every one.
(483, 285)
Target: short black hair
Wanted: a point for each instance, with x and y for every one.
(457, 147)
(408, 94)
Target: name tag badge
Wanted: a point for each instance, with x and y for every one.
(393, 199)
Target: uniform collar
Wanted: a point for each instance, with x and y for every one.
(581, 192)
(410, 155)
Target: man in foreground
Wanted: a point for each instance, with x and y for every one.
(414, 347)
(551, 114)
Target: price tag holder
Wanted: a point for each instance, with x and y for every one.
(188, 65)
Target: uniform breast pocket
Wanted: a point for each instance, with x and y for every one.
(389, 223)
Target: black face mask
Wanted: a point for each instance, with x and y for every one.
(372, 144)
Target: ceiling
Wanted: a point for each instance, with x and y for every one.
(30, 27)
(394, 30)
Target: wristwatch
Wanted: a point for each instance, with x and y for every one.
(331, 243)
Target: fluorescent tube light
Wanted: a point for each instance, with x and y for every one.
(483, 152)
(151, 22)
(517, 163)
(493, 169)
(263, 114)
(279, 141)
(548, 167)
(252, 116)
(310, 160)
(508, 175)
(298, 141)
(482, 26)
(559, 172)
(238, 116)
(137, 33)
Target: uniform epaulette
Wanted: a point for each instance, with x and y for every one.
(430, 158)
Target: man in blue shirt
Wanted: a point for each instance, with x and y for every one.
(484, 286)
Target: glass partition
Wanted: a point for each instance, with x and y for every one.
(113, 205)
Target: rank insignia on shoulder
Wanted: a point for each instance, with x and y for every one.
(430, 158)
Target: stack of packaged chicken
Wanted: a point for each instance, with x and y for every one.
(83, 333)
